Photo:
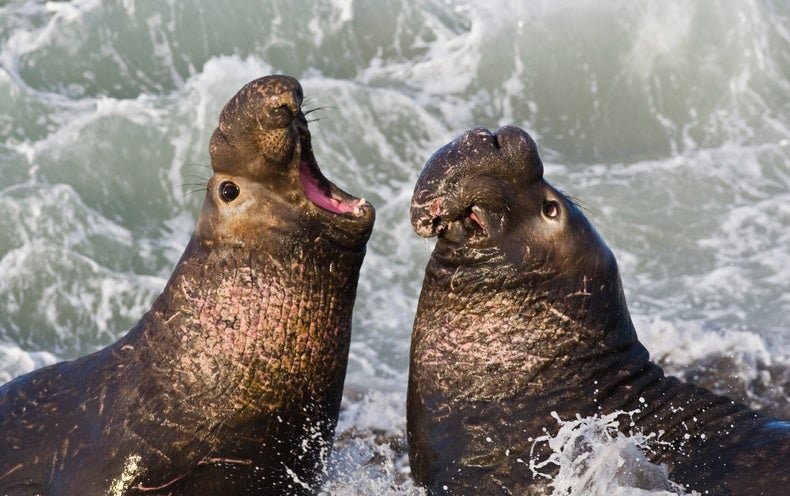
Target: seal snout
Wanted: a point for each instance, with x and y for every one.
(264, 119)
(427, 213)
(469, 170)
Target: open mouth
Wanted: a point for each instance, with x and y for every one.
(322, 193)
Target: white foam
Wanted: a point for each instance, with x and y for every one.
(27, 38)
(596, 459)
(53, 280)
(369, 453)
(338, 17)
(660, 35)
(682, 343)
(14, 361)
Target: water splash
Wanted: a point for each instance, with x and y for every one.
(595, 458)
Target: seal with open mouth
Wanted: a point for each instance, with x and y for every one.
(231, 383)
(522, 314)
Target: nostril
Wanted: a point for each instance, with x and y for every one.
(279, 112)
(439, 226)
(282, 115)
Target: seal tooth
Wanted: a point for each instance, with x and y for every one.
(358, 206)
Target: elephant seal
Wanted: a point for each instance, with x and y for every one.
(522, 314)
(231, 383)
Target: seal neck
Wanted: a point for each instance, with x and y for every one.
(267, 331)
(522, 333)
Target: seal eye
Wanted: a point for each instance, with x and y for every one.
(551, 209)
(228, 191)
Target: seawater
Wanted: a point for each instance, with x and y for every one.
(669, 122)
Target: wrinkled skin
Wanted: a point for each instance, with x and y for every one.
(521, 314)
(231, 383)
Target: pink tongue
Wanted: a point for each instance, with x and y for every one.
(315, 195)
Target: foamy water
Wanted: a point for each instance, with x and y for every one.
(670, 123)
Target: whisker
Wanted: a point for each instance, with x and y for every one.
(577, 202)
(192, 192)
(310, 111)
(581, 205)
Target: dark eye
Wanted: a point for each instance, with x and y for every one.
(551, 209)
(228, 191)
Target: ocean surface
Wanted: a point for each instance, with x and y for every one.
(669, 121)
